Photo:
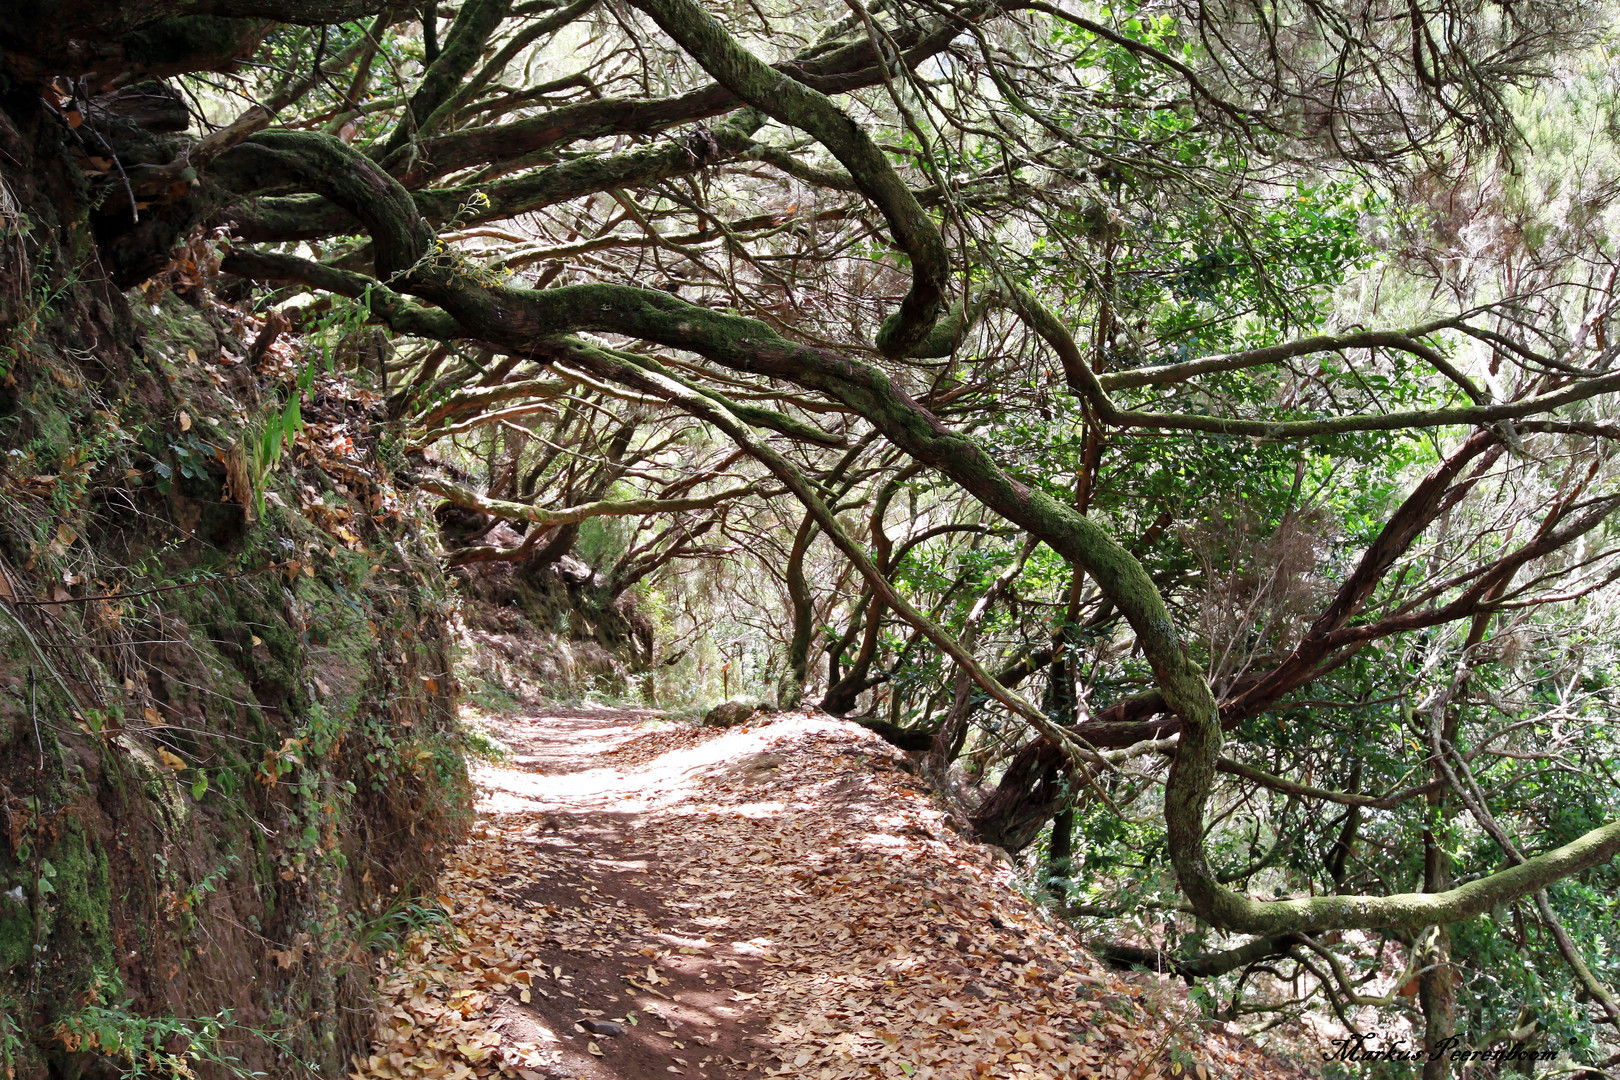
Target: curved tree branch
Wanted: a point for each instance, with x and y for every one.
(797, 105)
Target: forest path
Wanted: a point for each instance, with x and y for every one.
(780, 899)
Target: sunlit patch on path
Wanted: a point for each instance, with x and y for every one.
(776, 900)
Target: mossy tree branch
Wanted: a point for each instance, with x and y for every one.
(800, 106)
(526, 318)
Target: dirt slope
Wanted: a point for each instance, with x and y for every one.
(775, 900)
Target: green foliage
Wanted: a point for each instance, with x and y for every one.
(265, 447)
(484, 746)
(391, 929)
(47, 288)
(12, 1044)
(603, 540)
(144, 1046)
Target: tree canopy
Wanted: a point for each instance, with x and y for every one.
(1189, 426)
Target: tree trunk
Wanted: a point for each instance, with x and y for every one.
(844, 693)
(1436, 986)
(1059, 856)
(790, 690)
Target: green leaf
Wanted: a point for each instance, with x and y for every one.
(292, 418)
(269, 447)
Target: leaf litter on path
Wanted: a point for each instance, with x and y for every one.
(774, 900)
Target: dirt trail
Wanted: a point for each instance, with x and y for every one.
(781, 899)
